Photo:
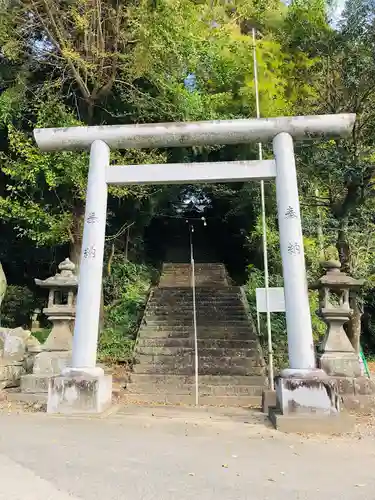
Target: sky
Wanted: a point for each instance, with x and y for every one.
(337, 11)
(336, 14)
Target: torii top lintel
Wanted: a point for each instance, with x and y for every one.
(159, 135)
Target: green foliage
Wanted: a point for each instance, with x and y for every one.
(45, 192)
(18, 306)
(278, 323)
(213, 45)
(42, 334)
(75, 63)
(125, 294)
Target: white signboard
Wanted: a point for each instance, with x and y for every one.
(276, 300)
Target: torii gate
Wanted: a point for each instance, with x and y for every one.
(65, 392)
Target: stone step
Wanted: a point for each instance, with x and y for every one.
(202, 343)
(188, 309)
(202, 265)
(186, 358)
(217, 380)
(178, 334)
(204, 369)
(202, 317)
(218, 327)
(160, 303)
(204, 302)
(197, 269)
(202, 281)
(210, 276)
(236, 314)
(202, 321)
(187, 284)
(202, 293)
(204, 330)
(204, 390)
(208, 299)
(224, 305)
(209, 273)
(199, 273)
(171, 336)
(189, 400)
(202, 352)
(184, 278)
(217, 291)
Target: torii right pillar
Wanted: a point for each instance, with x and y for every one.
(307, 399)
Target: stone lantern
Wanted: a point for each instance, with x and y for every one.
(56, 351)
(61, 306)
(337, 355)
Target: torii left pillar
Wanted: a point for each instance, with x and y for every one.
(84, 388)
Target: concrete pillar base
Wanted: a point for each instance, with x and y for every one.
(311, 392)
(309, 402)
(312, 423)
(78, 393)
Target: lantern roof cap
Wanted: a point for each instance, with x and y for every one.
(335, 278)
(65, 278)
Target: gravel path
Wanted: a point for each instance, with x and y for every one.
(165, 453)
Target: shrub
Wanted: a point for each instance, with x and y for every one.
(125, 294)
(278, 322)
(18, 306)
(42, 334)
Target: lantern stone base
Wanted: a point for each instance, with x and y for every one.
(342, 364)
(79, 393)
(308, 402)
(356, 393)
(11, 371)
(47, 364)
(35, 384)
(51, 362)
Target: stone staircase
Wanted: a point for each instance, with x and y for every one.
(179, 275)
(231, 365)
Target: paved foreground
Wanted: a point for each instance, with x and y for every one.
(161, 454)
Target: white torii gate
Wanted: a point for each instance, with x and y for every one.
(158, 135)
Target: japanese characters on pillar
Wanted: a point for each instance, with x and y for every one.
(300, 340)
(294, 247)
(89, 252)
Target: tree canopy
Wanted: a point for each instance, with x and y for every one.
(75, 62)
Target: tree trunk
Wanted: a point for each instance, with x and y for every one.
(3, 284)
(76, 236)
(355, 323)
(343, 246)
(320, 229)
(101, 313)
(127, 243)
(75, 253)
